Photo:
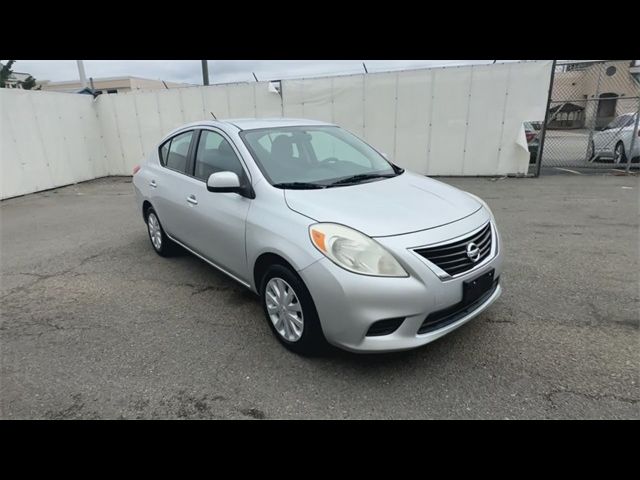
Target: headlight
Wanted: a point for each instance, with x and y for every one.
(354, 251)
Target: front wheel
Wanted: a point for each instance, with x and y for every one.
(290, 311)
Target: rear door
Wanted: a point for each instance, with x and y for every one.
(169, 182)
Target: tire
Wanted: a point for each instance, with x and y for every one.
(304, 336)
(591, 153)
(161, 244)
(619, 155)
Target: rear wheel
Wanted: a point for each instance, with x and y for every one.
(162, 245)
(290, 311)
(619, 155)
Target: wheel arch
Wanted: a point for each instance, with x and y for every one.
(146, 206)
(263, 262)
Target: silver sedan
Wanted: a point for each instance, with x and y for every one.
(342, 245)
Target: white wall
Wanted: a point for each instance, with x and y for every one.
(47, 139)
(440, 121)
(134, 122)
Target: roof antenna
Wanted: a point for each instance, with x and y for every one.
(214, 117)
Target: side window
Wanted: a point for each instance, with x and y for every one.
(176, 152)
(215, 154)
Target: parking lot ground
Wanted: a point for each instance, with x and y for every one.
(95, 325)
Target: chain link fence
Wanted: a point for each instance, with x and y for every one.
(592, 117)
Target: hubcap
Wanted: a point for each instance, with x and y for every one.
(618, 154)
(154, 231)
(284, 309)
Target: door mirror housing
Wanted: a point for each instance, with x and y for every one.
(229, 182)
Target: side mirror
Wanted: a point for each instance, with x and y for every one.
(228, 182)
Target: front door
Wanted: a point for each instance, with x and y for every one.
(215, 224)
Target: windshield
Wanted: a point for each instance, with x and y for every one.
(315, 156)
(621, 122)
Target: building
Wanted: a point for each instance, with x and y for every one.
(590, 94)
(110, 85)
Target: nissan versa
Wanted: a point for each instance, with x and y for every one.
(341, 245)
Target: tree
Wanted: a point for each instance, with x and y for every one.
(6, 72)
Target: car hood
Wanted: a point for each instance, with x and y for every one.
(402, 204)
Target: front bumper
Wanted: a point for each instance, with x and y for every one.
(348, 304)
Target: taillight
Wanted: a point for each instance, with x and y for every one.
(136, 169)
(530, 136)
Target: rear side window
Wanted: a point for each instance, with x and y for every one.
(164, 151)
(174, 153)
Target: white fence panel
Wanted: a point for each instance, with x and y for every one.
(413, 118)
(487, 98)
(150, 128)
(380, 111)
(268, 104)
(170, 108)
(192, 105)
(242, 102)
(129, 132)
(528, 89)
(318, 99)
(449, 120)
(293, 98)
(46, 140)
(348, 103)
(216, 101)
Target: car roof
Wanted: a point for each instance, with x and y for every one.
(255, 123)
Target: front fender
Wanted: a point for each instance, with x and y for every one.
(272, 227)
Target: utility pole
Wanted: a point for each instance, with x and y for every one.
(205, 72)
(83, 77)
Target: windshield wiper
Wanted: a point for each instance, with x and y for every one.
(360, 177)
(298, 185)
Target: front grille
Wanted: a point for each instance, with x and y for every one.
(453, 258)
(442, 318)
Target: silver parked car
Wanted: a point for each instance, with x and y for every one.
(615, 140)
(340, 244)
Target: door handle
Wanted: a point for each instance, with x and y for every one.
(153, 184)
(192, 200)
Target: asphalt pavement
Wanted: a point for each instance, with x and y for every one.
(95, 325)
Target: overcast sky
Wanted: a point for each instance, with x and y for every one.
(220, 71)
